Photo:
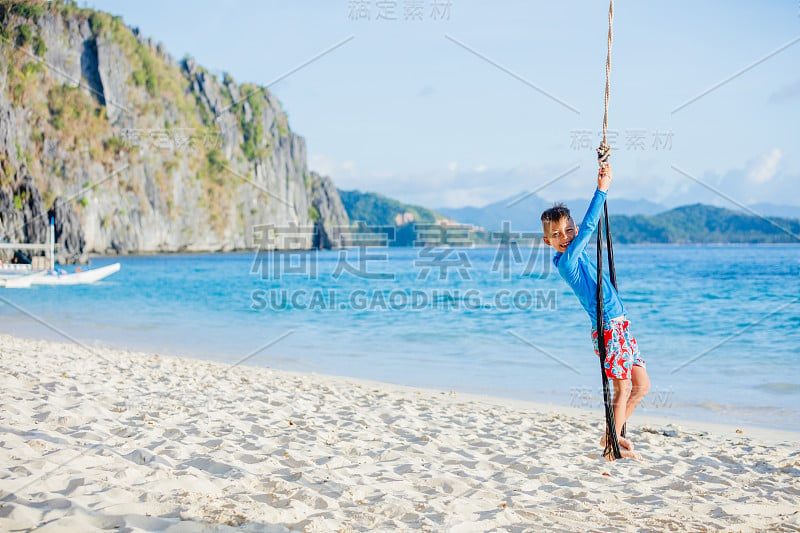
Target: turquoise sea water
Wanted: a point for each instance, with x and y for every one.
(719, 326)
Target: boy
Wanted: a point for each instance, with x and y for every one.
(624, 365)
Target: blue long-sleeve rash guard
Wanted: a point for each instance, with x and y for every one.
(581, 273)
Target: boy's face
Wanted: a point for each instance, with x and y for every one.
(560, 234)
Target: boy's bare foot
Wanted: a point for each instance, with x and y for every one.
(626, 454)
(623, 443)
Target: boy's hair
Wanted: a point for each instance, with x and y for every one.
(555, 213)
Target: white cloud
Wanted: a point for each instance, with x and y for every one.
(766, 167)
(328, 166)
(449, 186)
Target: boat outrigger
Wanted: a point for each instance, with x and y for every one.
(22, 276)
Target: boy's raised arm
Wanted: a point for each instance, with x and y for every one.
(587, 227)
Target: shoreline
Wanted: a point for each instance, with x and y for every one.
(704, 416)
(156, 253)
(124, 439)
(685, 415)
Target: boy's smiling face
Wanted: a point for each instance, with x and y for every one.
(560, 234)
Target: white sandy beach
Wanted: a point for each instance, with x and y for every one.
(110, 440)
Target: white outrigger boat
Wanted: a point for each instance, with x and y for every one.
(79, 277)
(16, 276)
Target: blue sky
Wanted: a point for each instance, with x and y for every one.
(416, 110)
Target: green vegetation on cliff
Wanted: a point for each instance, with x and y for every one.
(378, 210)
(373, 211)
(181, 159)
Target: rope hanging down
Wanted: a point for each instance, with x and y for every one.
(603, 152)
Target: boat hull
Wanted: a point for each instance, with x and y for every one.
(85, 277)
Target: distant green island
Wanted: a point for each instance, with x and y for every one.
(690, 224)
(704, 224)
(374, 211)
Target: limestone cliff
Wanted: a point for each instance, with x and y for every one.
(133, 151)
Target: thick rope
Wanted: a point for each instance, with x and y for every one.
(605, 150)
(611, 451)
(612, 274)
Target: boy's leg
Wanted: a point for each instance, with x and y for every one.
(640, 388)
(622, 396)
(627, 396)
(625, 367)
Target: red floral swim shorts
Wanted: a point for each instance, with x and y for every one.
(622, 352)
